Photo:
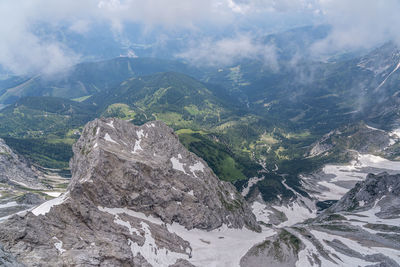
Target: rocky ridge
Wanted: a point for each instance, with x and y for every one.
(137, 198)
(361, 229)
(15, 169)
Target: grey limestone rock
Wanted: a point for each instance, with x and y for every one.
(15, 169)
(121, 174)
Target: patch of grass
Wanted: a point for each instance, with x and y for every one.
(82, 98)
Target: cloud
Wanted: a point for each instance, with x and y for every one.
(28, 29)
(359, 24)
(227, 51)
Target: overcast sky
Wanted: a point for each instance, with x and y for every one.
(356, 24)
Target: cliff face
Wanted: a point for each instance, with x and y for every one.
(137, 198)
(15, 169)
(380, 191)
(117, 164)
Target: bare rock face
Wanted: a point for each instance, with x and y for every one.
(117, 164)
(15, 169)
(129, 185)
(382, 190)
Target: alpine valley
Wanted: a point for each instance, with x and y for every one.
(141, 161)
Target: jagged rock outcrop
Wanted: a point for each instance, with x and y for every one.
(8, 260)
(15, 169)
(381, 190)
(361, 229)
(134, 194)
(279, 250)
(359, 137)
(116, 164)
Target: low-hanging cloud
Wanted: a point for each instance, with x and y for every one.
(359, 24)
(25, 50)
(208, 52)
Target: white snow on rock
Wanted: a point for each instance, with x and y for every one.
(137, 147)
(332, 188)
(295, 213)
(177, 165)
(46, 206)
(140, 133)
(8, 205)
(132, 230)
(395, 133)
(208, 248)
(250, 183)
(261, 211)
(191, 193)
(59, 245)
(154, 255)
(354, 245)
(198, 167)
(108, 138)
(333, 191)
(378, 162)
(307, 254)
(111, 124)
(369, 216)
(387, 77)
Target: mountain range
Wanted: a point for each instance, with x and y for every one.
(300, 157)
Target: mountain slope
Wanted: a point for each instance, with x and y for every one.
(89, 78)
(137, 196)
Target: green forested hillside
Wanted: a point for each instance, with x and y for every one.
(234, 118)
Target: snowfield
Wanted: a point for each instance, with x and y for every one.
(221, 247)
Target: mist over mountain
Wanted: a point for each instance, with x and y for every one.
(199, 133)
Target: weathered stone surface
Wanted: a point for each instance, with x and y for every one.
(7, 260)
(15, 169)
(117, 164)
(121, 174)
(365, 195)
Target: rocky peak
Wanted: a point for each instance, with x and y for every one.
(15, 169)
(380, 191)
(146, 168)
(135, 197)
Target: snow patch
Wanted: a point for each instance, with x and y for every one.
(137, 147)
(108, 138)
(353, 245)
(331, 188)
(9, 205)
(111, 124)
(387, 77)
(191, 193)
(213, 252)
(250, 183)
(46, 206)
(59, 245)
(261, 212)
(177, 165)
(295, 213)
(198, 167)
